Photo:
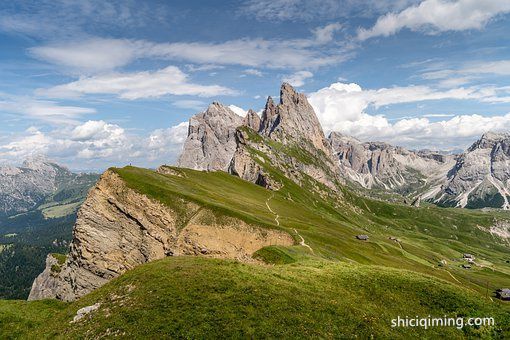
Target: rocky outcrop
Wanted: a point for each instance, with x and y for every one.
(291, 140)
(118, 228)
(293, 120)
(211, 142)
(45, 284)
(252, 120)
(480, 177)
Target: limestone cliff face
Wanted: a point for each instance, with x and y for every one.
(481, 175)
(301, 151)
(252, 120)
(211, 142)
(118, 229)
(293, 120)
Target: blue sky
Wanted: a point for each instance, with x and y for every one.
(95, 83)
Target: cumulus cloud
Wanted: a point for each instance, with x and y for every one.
(170, 80)
(167, 143)
(438, 16)
(342, 107)
(97, 143)
(298, 79)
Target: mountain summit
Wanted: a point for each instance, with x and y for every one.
(480, 177)
(293, 119)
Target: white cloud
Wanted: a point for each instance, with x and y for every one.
(468, 71)
(89, 56)
(98, 144)
(170, 80)
(298, 79)
(342, 107)
(174, 135)
(97, 54)
(310, 10)
(325, 34)
(43, 110)
(438, 16)
(253, 72)
(95, 130)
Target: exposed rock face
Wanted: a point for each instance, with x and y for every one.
(45, 284)
(293, 120)
(301, 150)
(381, 165)
(211, 142)
(23, 188)
(480, 177)
(252, 120)
(118, 229)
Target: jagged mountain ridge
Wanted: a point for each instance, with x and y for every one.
(287, 134)
(477, 178)
(480, 177)
(441, 178)
(381, 165)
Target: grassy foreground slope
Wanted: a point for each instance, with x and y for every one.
(190, 297)
(427, 235)
(332, 285)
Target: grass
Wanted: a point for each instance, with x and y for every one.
(190, 297)
(57, 211)
(426, 233)
(274, 255)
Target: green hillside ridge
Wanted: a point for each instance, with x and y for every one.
(192, 297)
(428, 235)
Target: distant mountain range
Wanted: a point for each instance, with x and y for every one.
(40, 182)
(476, 178)
(38, 204)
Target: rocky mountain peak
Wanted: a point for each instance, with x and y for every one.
(292, 120)
(252, 120)
(489, 139)
(211, 139)
(289, 95)
(269, 116)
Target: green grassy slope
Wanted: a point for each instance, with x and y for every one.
(428, 235)
(190, 297)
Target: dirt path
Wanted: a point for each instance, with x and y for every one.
(276, 216)
(303, 243)
(277, 220)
